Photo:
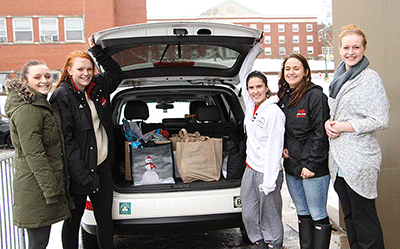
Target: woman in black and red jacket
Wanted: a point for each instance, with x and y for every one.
(306, 150)
(83, 100)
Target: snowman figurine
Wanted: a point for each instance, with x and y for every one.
(150, 176)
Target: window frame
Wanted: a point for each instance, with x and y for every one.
(282, 51)
(309, 27)
(310, 50)
(281, 39)
(267, 39)
(296, 39)
(296, 50)
(310, 38)
(52, 35)
(5, 31)
(66, 29)
(267, 51)
(267, 28)
(281, 28)
(15, 30)
(230, 7)
(253, 25)
(295, 29)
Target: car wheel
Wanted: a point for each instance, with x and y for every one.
(245, 237)
(89, 241)
(9, 142)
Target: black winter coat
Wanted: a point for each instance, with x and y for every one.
(77, 125)
(305, 135)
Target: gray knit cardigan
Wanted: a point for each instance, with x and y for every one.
(363, 102)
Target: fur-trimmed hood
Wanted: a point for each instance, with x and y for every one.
(19, 93)
(21, 88)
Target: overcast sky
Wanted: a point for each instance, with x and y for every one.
(186, 8)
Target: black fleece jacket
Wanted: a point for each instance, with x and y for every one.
(77, 124)
(305, 136)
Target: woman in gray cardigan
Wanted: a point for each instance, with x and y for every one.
(359, 107)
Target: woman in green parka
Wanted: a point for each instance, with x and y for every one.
(40, 185)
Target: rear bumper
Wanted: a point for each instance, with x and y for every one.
(173, 224)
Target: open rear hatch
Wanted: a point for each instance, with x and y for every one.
(178, 48)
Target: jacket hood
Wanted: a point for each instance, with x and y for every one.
(18, 94)
(316, 86)
(21, 88)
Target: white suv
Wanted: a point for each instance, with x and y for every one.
(172, 69)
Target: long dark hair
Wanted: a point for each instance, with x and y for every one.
(303, 86)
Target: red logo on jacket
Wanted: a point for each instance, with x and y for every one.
(103, 102)
(301, 113)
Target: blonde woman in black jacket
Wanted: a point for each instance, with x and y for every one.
(84, 102)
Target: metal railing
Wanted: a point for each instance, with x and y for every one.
(11, 237)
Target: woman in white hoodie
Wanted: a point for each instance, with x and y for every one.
(263, 177)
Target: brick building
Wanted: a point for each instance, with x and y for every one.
(48, 30)
(283, 35)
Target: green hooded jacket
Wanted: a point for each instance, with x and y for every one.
(40, 184)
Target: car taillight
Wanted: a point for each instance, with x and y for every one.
(89, 206)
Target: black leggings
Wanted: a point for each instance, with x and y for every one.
(361, 219)
(38, 238)
(102, 204)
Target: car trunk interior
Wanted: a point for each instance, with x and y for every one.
(164, 113)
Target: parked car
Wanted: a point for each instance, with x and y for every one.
(5, 138)
(170, 70)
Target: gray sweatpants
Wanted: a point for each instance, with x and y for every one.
(262, 214)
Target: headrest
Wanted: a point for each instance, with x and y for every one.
(196, 104)
(208, 113)
(136, 109)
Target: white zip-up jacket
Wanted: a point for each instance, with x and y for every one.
(265, 130)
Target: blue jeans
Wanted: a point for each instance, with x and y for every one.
(309, 195)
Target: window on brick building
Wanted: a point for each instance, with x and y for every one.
(281, 39)
(73, 29)
(281, 27)
(23, 30)
(3, 30)
(295, 27)
(309, 28)
(267, 28)
(230, 10)
(296, 50)
(254, 26)
(310, 50)
(296, 39)
(282, 51)
(310, 39)
(267, 39)
(48, 28)
(267, 51)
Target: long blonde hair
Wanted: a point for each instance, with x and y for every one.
(69, 62)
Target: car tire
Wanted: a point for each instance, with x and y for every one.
(9, 142)
(89, 241)
(245, 237)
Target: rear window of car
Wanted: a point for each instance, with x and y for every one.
(176, 55)
(157, 115)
